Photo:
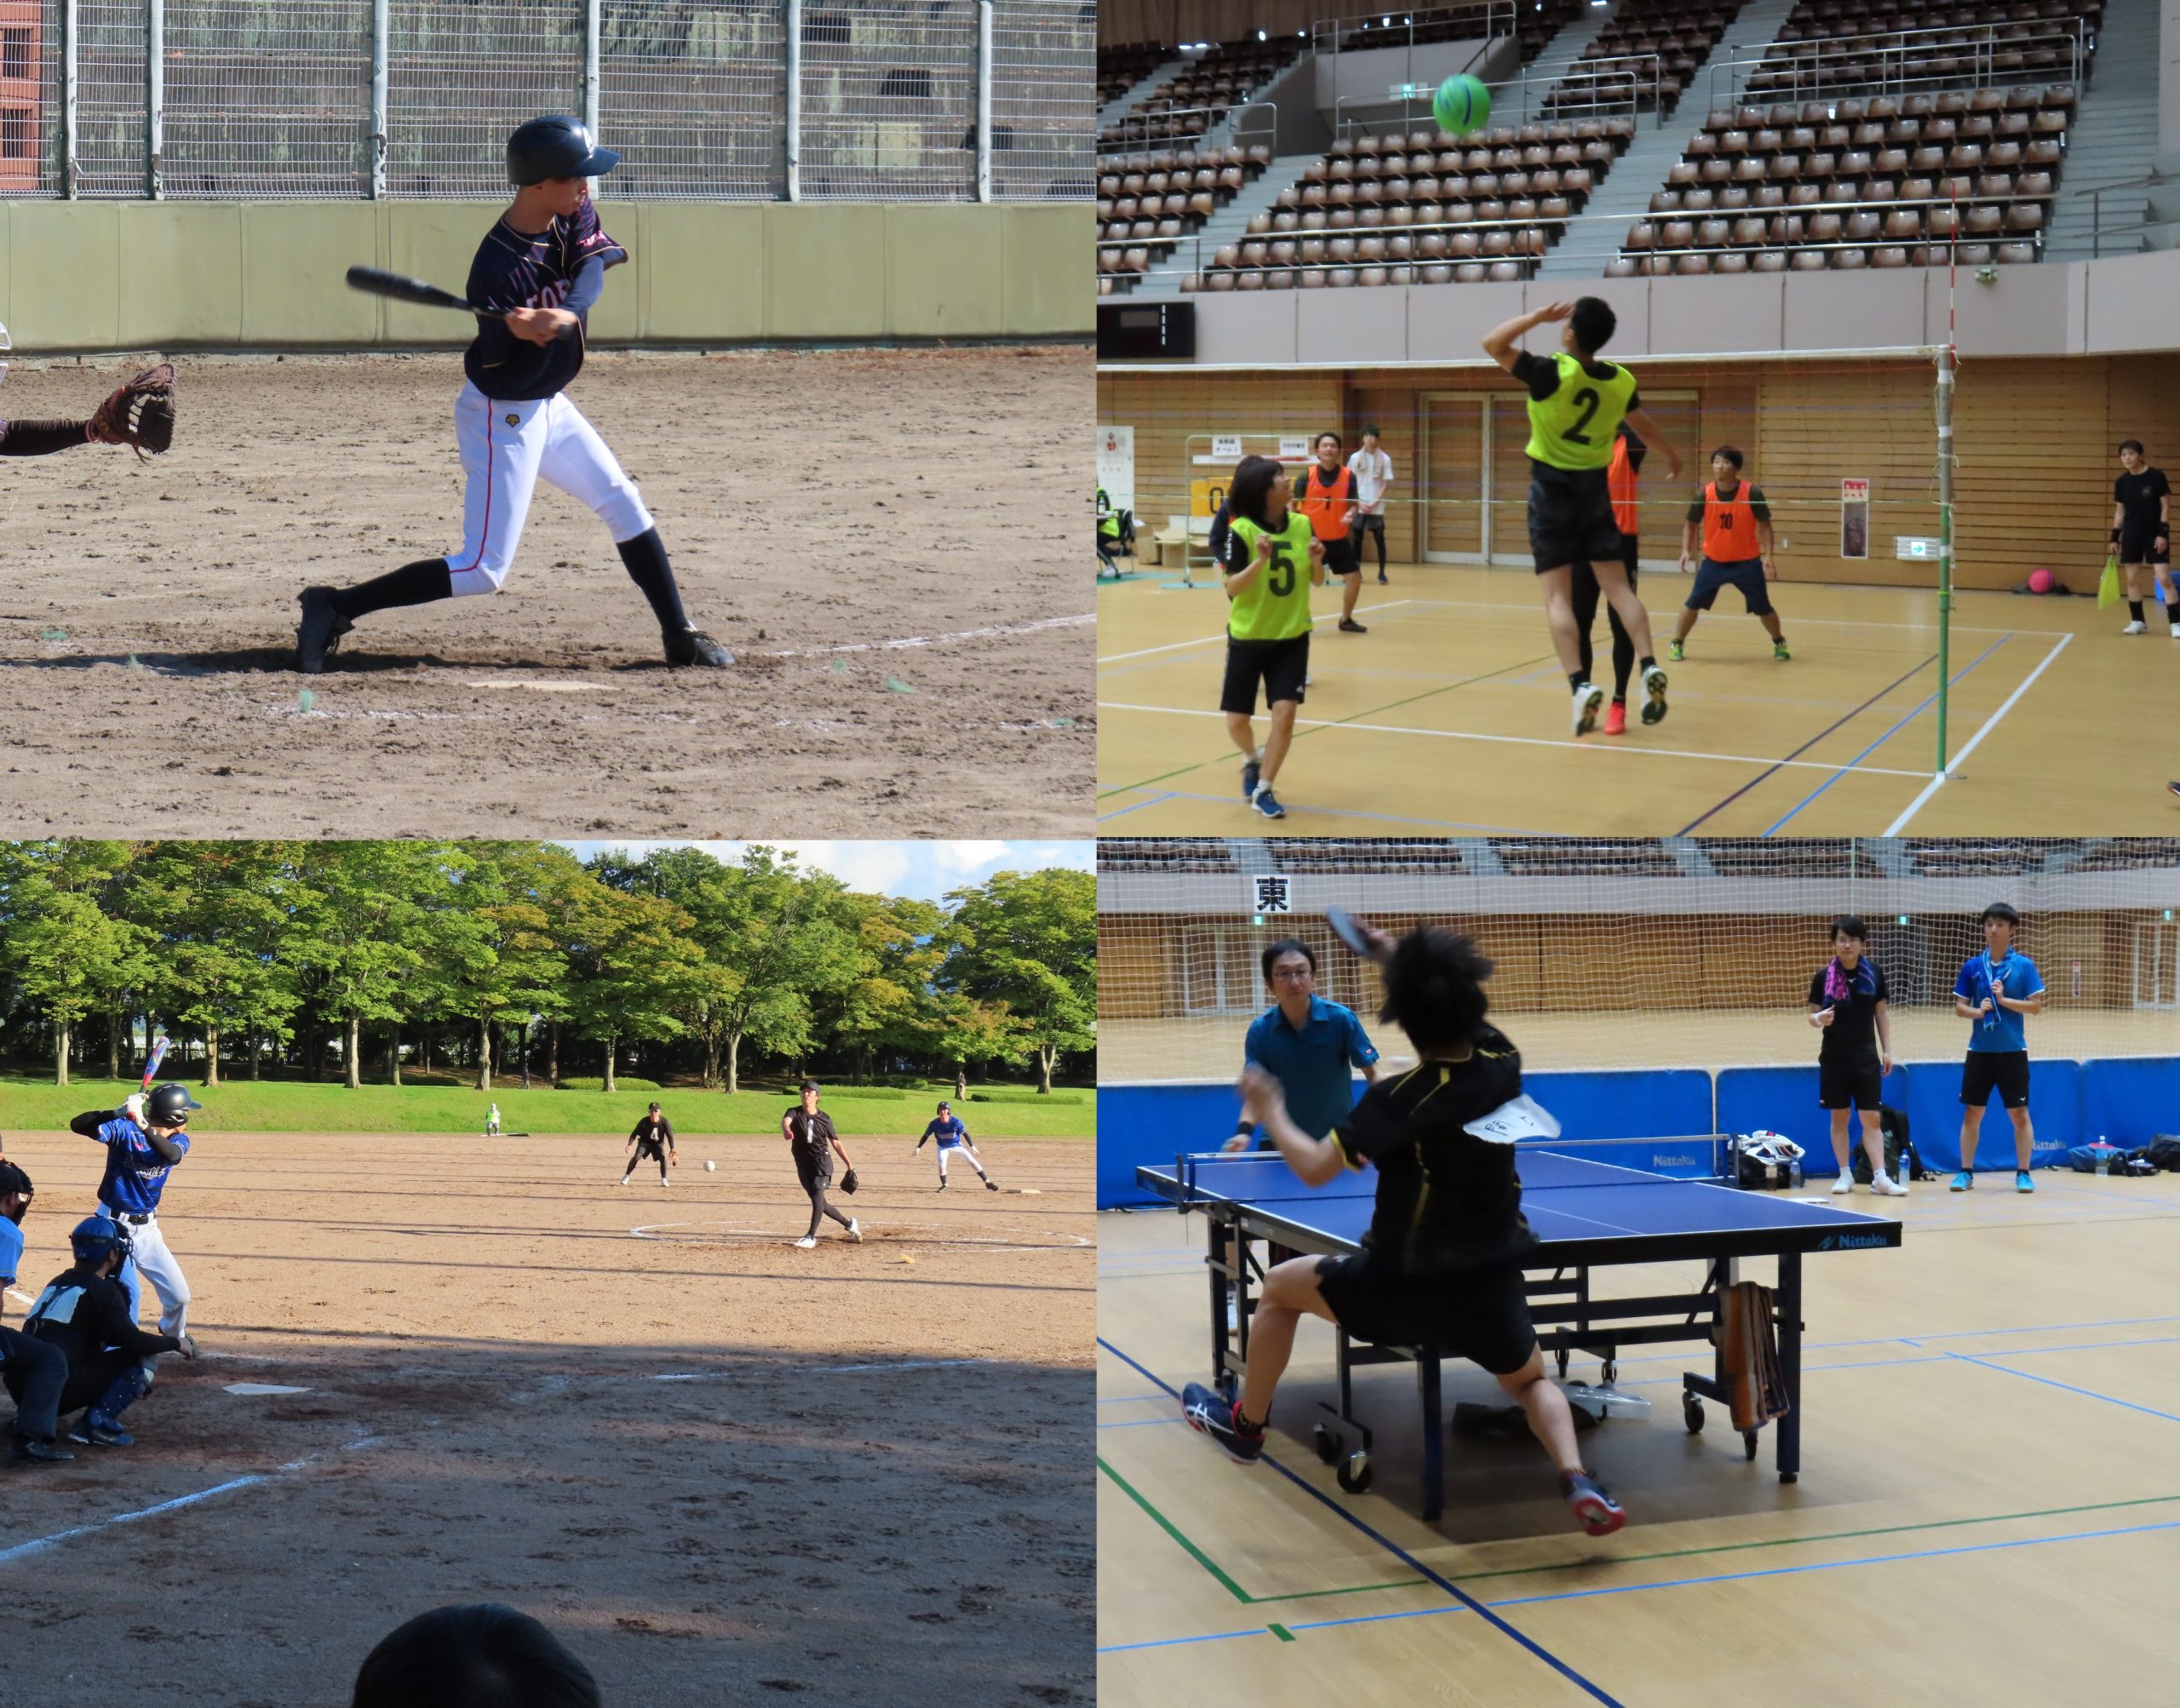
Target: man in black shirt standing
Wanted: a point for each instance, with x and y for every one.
(809, 1133)
(650, 1139)
(1850, 1003)
(1441, 1264)
(2142, 502)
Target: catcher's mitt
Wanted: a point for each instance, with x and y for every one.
(848, 1182)
(140, 413)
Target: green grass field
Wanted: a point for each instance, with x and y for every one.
(285, 1106)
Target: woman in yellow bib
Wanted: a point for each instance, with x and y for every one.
(1271, 560)
(1576, 404)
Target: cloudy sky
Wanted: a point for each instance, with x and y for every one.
(924, 870)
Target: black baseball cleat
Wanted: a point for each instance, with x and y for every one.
(30, 1451)
(1599, 1513)
(317, 636)
(693, 646)
(1212, 1413)
(990, 1185)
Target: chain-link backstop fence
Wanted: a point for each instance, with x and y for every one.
(743, 99)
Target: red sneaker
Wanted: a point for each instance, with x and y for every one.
(1615, 718)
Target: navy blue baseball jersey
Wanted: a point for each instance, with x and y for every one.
(552, 269)
(136, 1174)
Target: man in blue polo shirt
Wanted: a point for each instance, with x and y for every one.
(1311, 1046)
(1995, 989)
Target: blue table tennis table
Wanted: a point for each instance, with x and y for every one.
(1587, 1213)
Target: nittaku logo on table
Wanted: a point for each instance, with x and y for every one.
(1849, 1242)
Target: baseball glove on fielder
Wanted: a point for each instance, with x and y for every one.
(140, 413)
(848, 1182)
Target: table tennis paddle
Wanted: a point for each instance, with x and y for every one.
(1349, 930)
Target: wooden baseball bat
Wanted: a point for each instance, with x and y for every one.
(402, 289)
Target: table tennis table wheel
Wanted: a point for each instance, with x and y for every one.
(1748, 1443)
(1354, 1472)
(1327, 1443)
(1691, 1413)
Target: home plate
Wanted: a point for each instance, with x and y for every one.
(546, 687)
(250, 1390)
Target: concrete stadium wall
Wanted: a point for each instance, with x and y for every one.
(2071, 308)
(93, 276)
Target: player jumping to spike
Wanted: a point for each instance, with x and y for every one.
(953, 1138)
(537, 274)
(1576, 403)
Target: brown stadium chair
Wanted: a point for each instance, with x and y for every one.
(1501, 270)
(2003, 157)
(1945, 132)
(2037, 185)
(1749, 232)
(1786, 168)
(1341, 250)
(1402, 213)
(1278, 278)
(1864, 227)
(1368, 276)
(1676, 234)
(1732, 261)
(1687, 265)
(1401, 275)
(1711, 234)
(1372, 218)
(1339, 219)
(1716, 172)
(1869, 136)
(1904, 224)
(1684, 175)
(1465, 245)
(1249, 281)
(1400, 248)
(1944, 222)
(1891, 256)
(2024, 219)
(1370, 249)
(1821, 164)
(1770, 260)
(1824, 228)
(1666, 201)
(1978, 127)
(1310, 220)
(2011, 253)
(1621, 266)
(1752, 170)
(1313, 252)
(1994, 186)
(1310, 278)
(1880, 190)
(1856, 164)
(1522, 209)
(1964, 156)
(1220, 281)
(1254, 254)
(1470, 273)
(1498, 243)
(1432, 246)
(1808, 261)
(1983, 222)
(1697, 201)
(1848, 260)
(1642, 235)
(1789, 228)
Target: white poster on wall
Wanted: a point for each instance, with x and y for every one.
(1116, 465)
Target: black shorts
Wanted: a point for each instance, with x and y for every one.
(1280, 665)
(2135, 544)
(2005, 1071)
(649, 1148)
(1586, 575)
(1370, 522)
(1852, 1082)
(814, 1173)
(1713, 576)
(1341, 558)
(1480, 1315)
(1570, 516)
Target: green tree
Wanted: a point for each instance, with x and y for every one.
(503, 963)
(217, 913)
(634, 964)
(1027, 944)
(365, 919)
(64, 952)
(886, 1001)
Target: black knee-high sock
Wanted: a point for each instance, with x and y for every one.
(2135, 609)
(645, 558)
(416, 583)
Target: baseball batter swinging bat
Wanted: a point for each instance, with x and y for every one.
(380, 283)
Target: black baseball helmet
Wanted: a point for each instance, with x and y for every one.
(556, 148)
(169, 1105)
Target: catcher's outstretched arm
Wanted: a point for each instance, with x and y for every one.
(40, 438)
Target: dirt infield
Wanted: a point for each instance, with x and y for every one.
(718, 1466)
(886, 539)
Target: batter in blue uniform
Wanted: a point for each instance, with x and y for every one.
(143, 1139)
(537, 274)
(953, 1141)
(1995, 989)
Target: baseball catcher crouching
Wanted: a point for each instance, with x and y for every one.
(139, 415)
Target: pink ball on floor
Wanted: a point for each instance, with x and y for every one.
(2040, 581)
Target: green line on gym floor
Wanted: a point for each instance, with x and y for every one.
(1211, 1566)
(1280, 1632)
(1334, 723)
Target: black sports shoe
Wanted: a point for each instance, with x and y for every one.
(1210, 1412)
(1251, 771)
(694, 646)
(1599, 1513)
(990, 1185)
(317, 636)
(29, 1450)
(1350, 626)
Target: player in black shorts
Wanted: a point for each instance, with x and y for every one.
(2142, 533)
(1850, 1003)
(809, 1133)
(1325, 493)
(1441, 1264)
(650, 1140)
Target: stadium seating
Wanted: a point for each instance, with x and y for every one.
(1839, 47)
(1215, 83)
(1644, 56)
(1536, 22)
(1148, 203)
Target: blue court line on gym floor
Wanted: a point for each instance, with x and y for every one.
(1128, 1399)
(1438, 1579)
(1928, 700)
(1122, 812)
(1773, 769)
(2048, 1382)
(1140, 1423)
(1945, 1358)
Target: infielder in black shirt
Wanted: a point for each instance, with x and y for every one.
(652, 1138)
(1441, 1264)
(808, 1131)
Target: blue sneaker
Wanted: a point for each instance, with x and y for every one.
(1266, 802)
(1599, 1513)
(1963, 1181)
(2022, 1183)
(97, 1429)
(1212, 1413)
(1251, 771)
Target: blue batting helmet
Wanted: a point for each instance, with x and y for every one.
(94, 1237)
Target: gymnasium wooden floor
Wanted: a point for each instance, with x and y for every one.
(1987, 1496)
(1451, 716)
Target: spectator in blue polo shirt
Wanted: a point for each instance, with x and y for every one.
(1309, 1046)
(1995, 989)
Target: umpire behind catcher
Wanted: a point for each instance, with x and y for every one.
(84, 1315)
(34, 1372)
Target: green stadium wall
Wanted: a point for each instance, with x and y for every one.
(78, 277)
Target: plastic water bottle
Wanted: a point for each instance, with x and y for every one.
(2104, 1154)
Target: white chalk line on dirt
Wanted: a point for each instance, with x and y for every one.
(994, 633)
(671, 1231)
(821, 1370)
(42, 1543)
(20, 1298)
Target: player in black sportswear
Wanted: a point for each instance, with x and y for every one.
(1441, 1264)
(2142, 533)
(652, 1138)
